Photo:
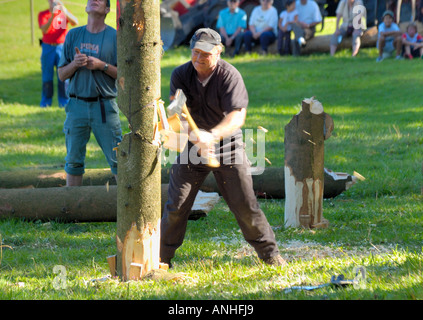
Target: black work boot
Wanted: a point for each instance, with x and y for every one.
(167, 261)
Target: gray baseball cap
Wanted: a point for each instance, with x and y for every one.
(205, 39)
(388, 13)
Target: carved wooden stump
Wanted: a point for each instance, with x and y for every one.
(304, 166)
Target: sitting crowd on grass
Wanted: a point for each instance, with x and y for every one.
(296, 25)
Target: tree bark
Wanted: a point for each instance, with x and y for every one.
(138, 192)
(304, 165)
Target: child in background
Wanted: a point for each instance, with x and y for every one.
(286, 19)
(389, 37)
(412, 43)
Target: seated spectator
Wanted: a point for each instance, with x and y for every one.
(345, 12)
(263, 26)
(231, 23)
(389, 37)
(286, 19)
(412, 42)
(309, 17)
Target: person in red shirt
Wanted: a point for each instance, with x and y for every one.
(53, 23)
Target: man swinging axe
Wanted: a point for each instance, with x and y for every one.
(217, 100)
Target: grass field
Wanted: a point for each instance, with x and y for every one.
(377, 224)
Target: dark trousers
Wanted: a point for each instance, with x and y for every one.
(299, 32)
(236, 186)
(284, 42)
(265, 40)
(237, 43)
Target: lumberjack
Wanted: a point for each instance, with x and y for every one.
(217, 100)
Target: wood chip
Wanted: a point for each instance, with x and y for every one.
(358, 176)
(262, 129)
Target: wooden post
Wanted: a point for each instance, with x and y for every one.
(304, 166)
(31, 9)
(138, 192)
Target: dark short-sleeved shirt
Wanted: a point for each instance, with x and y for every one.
(224, 92)
(103, 45)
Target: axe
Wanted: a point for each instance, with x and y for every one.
(170, 130)
(179, 107)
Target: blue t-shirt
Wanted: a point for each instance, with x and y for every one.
(232, 21)
(103, 45)
(383, 28)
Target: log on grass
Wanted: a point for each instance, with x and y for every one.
(266, 185)
(80, 204)
(50, 178)
(322, 43)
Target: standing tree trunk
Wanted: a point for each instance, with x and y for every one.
(139, 181)
(304, 166)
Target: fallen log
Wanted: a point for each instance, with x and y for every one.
(50, 178)
(322, 43)
(268, 184)
(79, 204)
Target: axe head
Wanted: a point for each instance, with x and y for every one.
(175, 107)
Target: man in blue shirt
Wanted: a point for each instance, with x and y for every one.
(389, 37)
(89, 61)
(231, 23)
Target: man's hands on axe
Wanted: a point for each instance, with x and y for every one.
(206, 141)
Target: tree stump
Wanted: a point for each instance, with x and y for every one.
(304, 166)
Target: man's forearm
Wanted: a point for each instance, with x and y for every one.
(232, 122)
(112, 71)
(67, 71)
(314, 24)
(391, 33)
(44, 28)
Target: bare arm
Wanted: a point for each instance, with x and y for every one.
(338, 19)
(391, 33)
(232, 122)
(44, 27)
(82, 60)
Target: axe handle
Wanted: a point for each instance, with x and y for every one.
(211, 161)
(190, 120)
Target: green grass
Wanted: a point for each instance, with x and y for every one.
(377, 224)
